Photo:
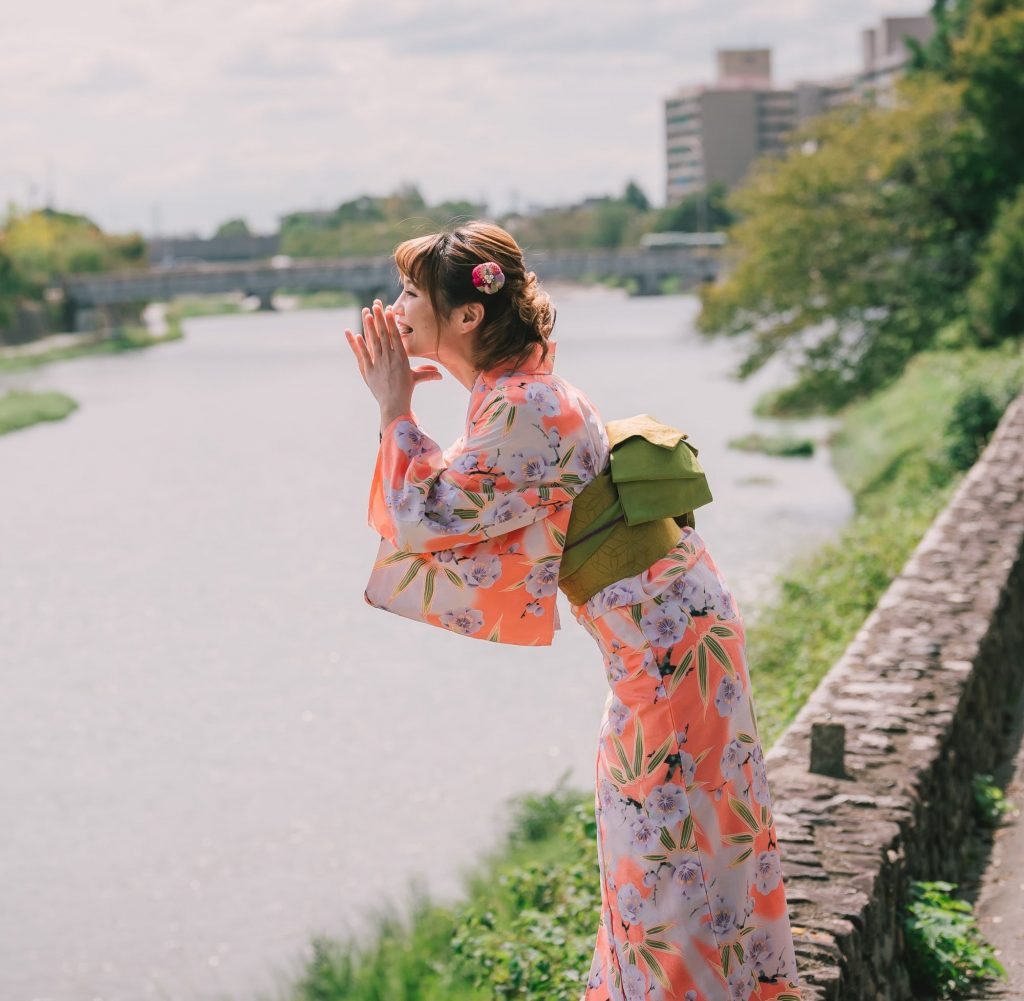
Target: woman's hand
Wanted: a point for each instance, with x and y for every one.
(383, 363)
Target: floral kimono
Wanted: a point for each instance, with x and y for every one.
(693, 905)
(472, 537)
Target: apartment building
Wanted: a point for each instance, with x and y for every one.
(713, 132)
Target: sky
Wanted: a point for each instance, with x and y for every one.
(171, 116)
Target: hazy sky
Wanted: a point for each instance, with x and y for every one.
(178, 114)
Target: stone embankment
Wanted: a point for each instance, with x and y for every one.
(916, 706)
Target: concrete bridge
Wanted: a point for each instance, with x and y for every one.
(367, 278)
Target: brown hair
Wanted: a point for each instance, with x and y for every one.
(516, 317)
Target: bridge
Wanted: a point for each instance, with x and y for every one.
(367, 278)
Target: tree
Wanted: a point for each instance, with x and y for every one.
(862, 241)
(851, 249)
(995, 299)
(233, 227)
(698, 211)
(635, 197)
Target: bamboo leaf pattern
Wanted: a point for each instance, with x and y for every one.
(716, 648)
(568, 455)
(454, 578)
(638, 748)
(660, 754)
(686, 834)
(621, 751)
(702, 675)
(743, 812)
(410, 575)
(428, 589)
(510, 417)
(680, 672)
(738, 839)
(403, 554)
(655, 966)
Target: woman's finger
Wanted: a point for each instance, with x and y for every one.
(352, 343)
(370, 336)
(425, 373)
(396, 338)
(383, 332)
(365, 361)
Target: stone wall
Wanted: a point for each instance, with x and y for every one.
(923, 693)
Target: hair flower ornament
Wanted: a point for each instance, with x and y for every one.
(488, 277)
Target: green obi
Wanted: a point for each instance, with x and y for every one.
(652, 474)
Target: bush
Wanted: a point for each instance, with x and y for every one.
(974, 418)
(945, 952)
(995, 298)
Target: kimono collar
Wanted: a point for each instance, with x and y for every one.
(531, 366)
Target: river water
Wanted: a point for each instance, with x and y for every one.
(207, 755)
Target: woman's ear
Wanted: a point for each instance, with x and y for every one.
(471, 316)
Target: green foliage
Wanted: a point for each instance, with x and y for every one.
(773, 444)
(596, 222)
(974, 418)
(893, 453)
(20, 409)
(45, 244)
(538, 942)
(946, 953)
(699, 212)
(995, 298)
(635, 197)
(859, 244)
(990, 803)
(525, 930)
(233, 227)
(369, 225)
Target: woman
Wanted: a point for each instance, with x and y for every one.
(472, 541)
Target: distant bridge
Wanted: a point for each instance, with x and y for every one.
(367, 278)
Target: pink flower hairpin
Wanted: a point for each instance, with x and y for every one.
(488, 277)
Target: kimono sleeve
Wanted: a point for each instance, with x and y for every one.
(505, 473)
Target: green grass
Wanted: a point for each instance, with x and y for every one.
(525, 928)
(131, 337)
(899, 453)
(773, 444)
(20, 409)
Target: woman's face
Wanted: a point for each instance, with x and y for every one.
(417, 323)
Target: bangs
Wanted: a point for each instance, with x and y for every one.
(418, 260)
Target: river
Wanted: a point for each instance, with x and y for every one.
(207, 755)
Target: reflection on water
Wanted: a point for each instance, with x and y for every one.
(213, 749)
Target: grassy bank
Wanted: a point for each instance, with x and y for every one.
(131, 337)
(20, 409)
(526, 926)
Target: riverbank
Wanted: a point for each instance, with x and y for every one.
(20, 409)
(162, 323)
(525, 926)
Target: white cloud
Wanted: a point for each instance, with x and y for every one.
(208, 109)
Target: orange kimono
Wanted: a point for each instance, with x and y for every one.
(693, 901)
